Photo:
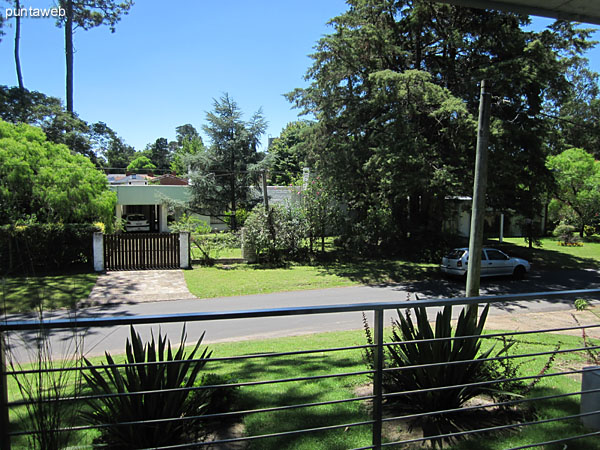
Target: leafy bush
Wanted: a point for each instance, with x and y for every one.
(581, 304)
(157, 403)
(278, 231)
(241, 215)
(590, 230)
(28, 249)
(566, 234)
(424, 382)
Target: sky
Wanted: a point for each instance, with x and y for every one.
(169, 60)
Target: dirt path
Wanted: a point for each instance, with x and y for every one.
(547, 320)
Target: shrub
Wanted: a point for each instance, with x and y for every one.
(581, 304)
(45, 247)
(241, 215)
(431, 347)
(590, 230)
(274, 232)
(566, 234)
(157, 403)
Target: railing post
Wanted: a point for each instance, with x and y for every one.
(378, 378)
(4, 413)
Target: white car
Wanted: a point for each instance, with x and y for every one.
(493, 263)
(137, 222)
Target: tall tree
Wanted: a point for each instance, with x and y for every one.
(110, 149)
(188, 142)
(87, 14)
(288, 153)
(17, 45)
(577, 189)
(223, 175)
(159, 152)
(394, 88)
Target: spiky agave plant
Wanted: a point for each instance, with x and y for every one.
(163, 383)
(430, 388)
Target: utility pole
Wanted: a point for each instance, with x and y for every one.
(479, 188)
(264, 188)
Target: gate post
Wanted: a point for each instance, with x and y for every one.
(184, 250)
(98, 244)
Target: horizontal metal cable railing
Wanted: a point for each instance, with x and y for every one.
(498, 411)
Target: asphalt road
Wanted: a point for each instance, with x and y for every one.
(112, 339)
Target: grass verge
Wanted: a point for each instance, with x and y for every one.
(26, 294)
(243, 279)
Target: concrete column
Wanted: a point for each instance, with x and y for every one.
(590, 402)
(98, 246)
(184, 250)
(162, 219)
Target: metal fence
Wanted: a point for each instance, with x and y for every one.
(377, 405)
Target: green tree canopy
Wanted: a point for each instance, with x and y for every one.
(96, 141)
(141, 163)
(223, 174)
(43, 180)
(577, 177)
(159, 152)
(188, 143)
(395, 88)
(288, 153)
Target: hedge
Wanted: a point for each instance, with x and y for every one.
(43, 248)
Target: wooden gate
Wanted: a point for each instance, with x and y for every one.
(140, 251)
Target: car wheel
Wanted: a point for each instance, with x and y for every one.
(519, 272)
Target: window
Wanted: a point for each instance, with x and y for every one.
(496, 255)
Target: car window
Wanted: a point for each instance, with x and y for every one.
(483, 258)
(496, 255)
(455, 254)
(135, 217)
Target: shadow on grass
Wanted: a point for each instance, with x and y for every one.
(546, 258)
(26, 294)
(533, 434)
(302, 392)
(380, 272)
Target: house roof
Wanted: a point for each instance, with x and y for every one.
(574, 10)
(120, 178)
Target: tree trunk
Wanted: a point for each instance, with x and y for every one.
(17, 39)
(69, 53)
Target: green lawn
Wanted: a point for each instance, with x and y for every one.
(244, 279)
(25, 294)
(312, 391)
(551, 256)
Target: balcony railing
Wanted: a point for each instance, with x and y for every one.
(376, 412)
